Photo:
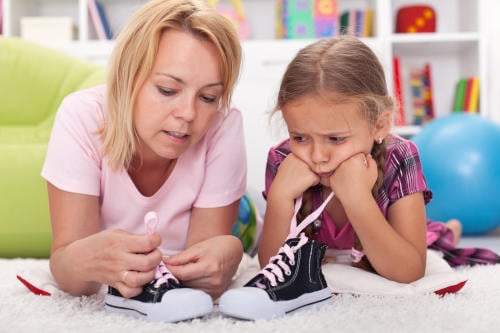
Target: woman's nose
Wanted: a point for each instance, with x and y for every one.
(186, 109)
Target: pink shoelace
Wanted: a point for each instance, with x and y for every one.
(162, 274)
(276, 267)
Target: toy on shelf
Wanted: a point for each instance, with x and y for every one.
(235, 14)
(419, 18)
(306, 18)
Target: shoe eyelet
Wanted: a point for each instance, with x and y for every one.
(281, 280)
(288, 273)
(292, 262)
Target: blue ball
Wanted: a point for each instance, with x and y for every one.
(460, 156)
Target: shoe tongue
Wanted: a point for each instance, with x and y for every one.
(292, 241)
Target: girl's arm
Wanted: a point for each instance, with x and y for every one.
(293, 178)
(83, 257)
(212, 254)
(396, 246)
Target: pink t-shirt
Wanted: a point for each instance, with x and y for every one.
(211, 173)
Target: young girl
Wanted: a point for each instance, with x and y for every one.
(159, 137)
(345, 176)
(334, 101)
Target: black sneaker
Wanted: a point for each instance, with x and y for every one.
(293, 279)
(297, 283)
(164, 299)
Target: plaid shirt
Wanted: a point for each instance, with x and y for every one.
(403, 176)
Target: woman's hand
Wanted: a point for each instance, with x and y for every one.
(354, 177)
(112, 257)
(294, 177)
(208, 265)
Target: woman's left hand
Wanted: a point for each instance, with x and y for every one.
(208, 265)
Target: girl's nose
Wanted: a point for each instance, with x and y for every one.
(319, 154)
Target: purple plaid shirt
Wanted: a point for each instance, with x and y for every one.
(403, 177)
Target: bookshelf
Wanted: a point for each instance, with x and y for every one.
(457, 49)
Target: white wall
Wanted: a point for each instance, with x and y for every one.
(493, 31)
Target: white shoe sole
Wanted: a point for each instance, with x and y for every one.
(176, 305)
(251, 303)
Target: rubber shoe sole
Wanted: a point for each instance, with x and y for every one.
(251, 303)
(176, 305)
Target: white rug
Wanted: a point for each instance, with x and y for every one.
(476, 308)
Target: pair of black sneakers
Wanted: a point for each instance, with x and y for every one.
(292, 281)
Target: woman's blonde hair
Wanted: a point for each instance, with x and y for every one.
(133, 56)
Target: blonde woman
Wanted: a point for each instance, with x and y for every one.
(159, 142)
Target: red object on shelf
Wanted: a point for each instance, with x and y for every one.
(411, 19)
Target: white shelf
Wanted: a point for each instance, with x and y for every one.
(457, 49)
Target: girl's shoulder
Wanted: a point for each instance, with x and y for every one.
(400, 149)
(279, 152)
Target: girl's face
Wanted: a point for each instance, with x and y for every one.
(323, 134)
(179, 99)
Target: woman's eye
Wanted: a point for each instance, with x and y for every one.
(166, 91)
(208, 99)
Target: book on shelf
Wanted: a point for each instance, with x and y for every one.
(356, 22)
(99, 20)
(399, 116)
(466, 95)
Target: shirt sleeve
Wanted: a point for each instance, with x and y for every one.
(226, 163)
(275, 156)
(73, 159)
(406, 172)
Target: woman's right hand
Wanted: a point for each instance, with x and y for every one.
(83, 257)
(111, 257)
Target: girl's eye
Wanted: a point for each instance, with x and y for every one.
(166, 91)
(298, 138)
(337, 139)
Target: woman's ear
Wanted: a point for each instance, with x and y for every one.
(383, 126)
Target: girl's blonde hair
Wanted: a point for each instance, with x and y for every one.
(133, 56)
(340, 69)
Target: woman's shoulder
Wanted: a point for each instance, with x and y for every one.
(85, 107)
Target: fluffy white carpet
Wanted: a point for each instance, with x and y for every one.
(476, 308)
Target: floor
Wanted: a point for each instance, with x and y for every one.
(490, 241)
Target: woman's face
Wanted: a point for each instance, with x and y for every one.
(180, 97)
(324, 134)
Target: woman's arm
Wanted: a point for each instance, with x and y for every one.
(212, 254)
(83, 257)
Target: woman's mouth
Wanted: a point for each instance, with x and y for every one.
(177, 136)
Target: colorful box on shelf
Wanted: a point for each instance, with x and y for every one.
(306, 18)
(48, 28)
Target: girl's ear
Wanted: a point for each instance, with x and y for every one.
(383, 126)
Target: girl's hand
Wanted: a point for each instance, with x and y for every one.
(354, 176)
(294, 177)
(208, 265)
(117, 258)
